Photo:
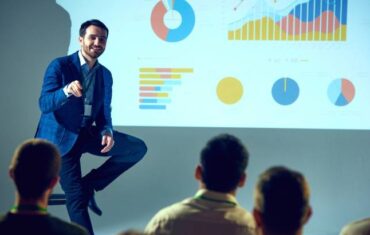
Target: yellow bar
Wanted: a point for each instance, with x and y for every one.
(237, 34)
(166, 70)
(271, 29)
(150, 82)
(310, 36)
(162, 94)
(258, 29)
(277, 32)
(231, 35)
(337, 34)
(264, 28)
(343, 33)
(244, 32)
(283, 35)
(317, 36)
(149, 95)
(330, 36)
(251, 30)
(303, 36)
(148, 70)
(182, 70)
(156, 76)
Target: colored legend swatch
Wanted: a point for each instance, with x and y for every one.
(314, 20)
(285, 91)
(341, 92)
(157, 84)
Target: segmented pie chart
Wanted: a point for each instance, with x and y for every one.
(165, 13)
(341, 92)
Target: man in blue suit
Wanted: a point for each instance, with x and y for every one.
(75, 103)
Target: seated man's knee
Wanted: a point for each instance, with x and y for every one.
(143, 148)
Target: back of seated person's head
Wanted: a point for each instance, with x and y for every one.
(281, 201)
(223, 163)
(35, 164)
(131, 232)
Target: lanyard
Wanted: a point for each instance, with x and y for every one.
(88, 76)
(28, 208)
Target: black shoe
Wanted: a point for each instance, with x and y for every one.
(93, 206)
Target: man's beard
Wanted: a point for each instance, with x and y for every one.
(94, 53)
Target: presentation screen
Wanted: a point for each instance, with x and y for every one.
(235, 63)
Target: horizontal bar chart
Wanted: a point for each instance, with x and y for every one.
(157, 84)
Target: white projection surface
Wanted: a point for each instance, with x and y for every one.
(235, 63)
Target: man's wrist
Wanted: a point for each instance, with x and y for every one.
(107, 131)
(65, 90)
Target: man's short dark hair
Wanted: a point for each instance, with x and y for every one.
(94, 22)
(34, 165)
(282, 198)
(223, 160)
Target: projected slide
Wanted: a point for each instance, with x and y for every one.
(237, 63)
(308, 20)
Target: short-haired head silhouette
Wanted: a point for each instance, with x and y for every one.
(35, 168)
(223, 162)
(281, 202)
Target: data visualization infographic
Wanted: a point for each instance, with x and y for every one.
(318, 20)
(235, 63)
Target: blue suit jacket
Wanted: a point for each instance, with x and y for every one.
(61, 116)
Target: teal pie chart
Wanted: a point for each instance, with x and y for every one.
(285, 91)
(172, 10)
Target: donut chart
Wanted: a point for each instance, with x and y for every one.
(183, 30)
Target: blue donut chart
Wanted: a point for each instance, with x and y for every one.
(179, 33)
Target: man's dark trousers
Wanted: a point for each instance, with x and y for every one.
(126, 152)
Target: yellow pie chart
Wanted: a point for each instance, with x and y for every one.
(229, 90)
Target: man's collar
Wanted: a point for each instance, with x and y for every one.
(83, 61)
(216, 196)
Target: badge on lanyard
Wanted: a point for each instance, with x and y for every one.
(87, 108)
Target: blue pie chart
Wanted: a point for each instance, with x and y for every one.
(285, 91)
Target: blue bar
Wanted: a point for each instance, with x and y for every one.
(155, 101)
(163, 88)
(160, 107)
(172, 82)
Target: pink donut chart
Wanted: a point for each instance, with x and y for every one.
(179, 33)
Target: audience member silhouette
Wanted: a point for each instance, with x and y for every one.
(281, 202)
(214, 209)
(359, 227)
(131, 232)
(34, 169)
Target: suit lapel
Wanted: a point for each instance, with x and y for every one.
(76, 65)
